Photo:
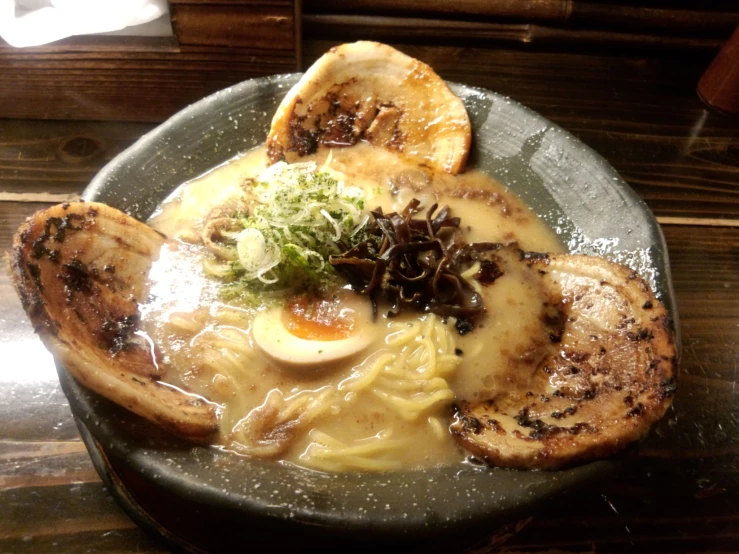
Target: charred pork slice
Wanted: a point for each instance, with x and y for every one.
(81, 271)
(607, 374)
(370, 91)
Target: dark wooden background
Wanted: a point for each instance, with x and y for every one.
(634, 102)
(582, 24)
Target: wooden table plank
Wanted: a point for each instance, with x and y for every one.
(59, 157)
(678, 175)
(25, 464)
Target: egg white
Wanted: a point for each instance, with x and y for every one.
(278, 343)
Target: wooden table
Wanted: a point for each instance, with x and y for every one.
(680, 494)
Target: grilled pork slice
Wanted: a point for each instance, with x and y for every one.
(81, 270)
(370, 91)
(606, 374)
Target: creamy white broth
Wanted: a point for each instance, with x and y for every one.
(180, 287)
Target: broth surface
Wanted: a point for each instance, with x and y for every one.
(211, 345)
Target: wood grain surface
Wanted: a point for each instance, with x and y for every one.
(667, 25)
(679, 493)
(127, 86)
(664, 17)
(525, 35)
(119, 78)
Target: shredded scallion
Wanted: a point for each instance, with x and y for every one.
(299, 217)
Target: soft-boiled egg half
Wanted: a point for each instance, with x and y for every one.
(309, 332)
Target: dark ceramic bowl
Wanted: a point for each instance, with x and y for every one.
(163, 482)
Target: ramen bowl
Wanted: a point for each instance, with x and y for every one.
(201, 498)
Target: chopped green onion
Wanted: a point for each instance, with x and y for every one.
(300, 216)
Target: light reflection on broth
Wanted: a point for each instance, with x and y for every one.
(385, 407)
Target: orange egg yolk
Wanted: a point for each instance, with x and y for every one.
(312, 318)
